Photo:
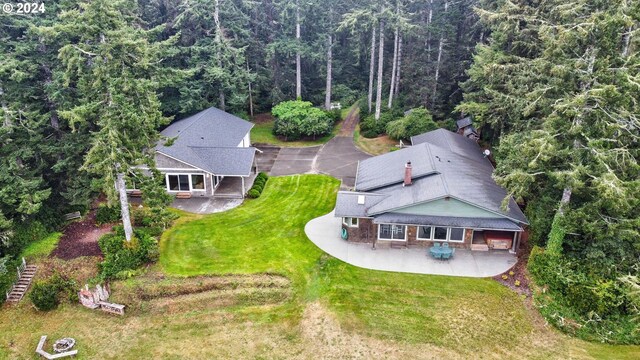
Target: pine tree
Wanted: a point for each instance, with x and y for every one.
(109, 65)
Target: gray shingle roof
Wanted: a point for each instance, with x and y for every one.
(476, 223)
(210, 127)
(388, 169)
(347, 203)
(464, 122)
(209, 140)
(446, 164)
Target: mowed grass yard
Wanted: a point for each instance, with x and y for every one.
(326, 308)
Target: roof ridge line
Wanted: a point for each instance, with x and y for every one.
(196, 119)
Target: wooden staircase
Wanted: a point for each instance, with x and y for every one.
(25, 276)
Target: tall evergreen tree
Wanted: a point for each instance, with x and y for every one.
(109, 66)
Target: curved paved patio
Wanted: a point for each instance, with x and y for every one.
(324, 231)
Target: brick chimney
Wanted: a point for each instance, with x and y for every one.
(407, 174)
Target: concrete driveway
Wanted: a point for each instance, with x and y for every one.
(324, 231)
(339, 158)
(291, 161)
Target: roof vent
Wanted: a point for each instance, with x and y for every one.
(360, 199)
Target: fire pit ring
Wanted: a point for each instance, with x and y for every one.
(63, 345)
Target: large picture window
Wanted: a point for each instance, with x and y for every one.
(440, 233)
(424, 232)
(185, 182)
(197, 182)
(456, 234)
(392, 232)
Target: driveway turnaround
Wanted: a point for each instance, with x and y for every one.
(339, 158)
(291, 161)
(324, 231)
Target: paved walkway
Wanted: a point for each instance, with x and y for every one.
(324, 231)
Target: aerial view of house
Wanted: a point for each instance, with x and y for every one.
(204, 151)
(438, 190)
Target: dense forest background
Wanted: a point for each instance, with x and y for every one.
(554, 88)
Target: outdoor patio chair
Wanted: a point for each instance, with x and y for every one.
(436, 244)
(446, 256)
(453, 251)
(445, 245)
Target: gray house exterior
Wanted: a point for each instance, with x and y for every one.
(438, 190)
(200, 153)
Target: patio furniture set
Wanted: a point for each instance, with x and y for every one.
(442, 252)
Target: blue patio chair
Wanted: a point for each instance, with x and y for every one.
(436, 244)
(446, 256)
(453, 251)
(445, 245)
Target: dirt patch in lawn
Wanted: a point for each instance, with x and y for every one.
(158, 293)
(80, 269)
(80, 238)
(262, 118)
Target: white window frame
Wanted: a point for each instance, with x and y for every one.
(348, 221)
(392, 227)
(433, 232)
(449, 234)
(204, 182)
(430, 238)
(191, 189)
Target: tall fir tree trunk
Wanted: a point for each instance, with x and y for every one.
(372, 66)
(327, 97)
(429, 18)
(218, 40)
(298, 74)
(124, 206)
(250, 91)
(380, 67)
(396, 87)
(627, 42)
(6, 120)
(394, 64)
(438, 61)
(577, 122)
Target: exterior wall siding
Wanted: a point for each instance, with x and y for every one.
(450, 207)
(163, 161)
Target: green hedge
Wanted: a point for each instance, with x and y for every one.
(46, 294)
(596, 304)
(107, 215)
(258, 185)
(121, 257)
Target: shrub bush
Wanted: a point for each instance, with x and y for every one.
(297, 119)
(120, 255)
(107, 215)
(418, 121)
(370, 127)
(253, 193)
(45, 294)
